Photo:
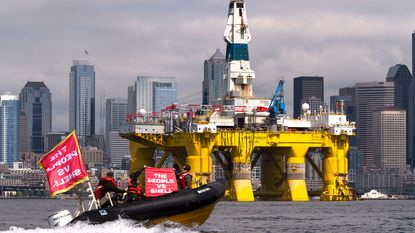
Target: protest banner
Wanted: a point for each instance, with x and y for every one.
(160, 181)
(64, 166)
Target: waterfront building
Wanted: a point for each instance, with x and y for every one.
(93, 157)
(213, 82)
(370, 97)
(9, 128)
(389, 124)
(389, 181)
(401, 77)
(151, 94)
(82, 100)
(306, 87)
(116, 146)
(36, 102)
(29, 159)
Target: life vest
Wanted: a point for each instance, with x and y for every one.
(182, 180)
(133, 189)
(98, 191)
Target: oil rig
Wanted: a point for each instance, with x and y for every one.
(242, 130)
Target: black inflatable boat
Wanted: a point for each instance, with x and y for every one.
(186, 207)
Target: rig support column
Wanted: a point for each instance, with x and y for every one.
(296, 189)
(141, 155)
(335, 171)
(241, 176)
(199, 159)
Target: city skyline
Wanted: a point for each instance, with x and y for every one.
(346, 42)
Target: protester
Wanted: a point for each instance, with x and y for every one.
(185, 178)
(176, 171)
(106, 184)
(134, 191)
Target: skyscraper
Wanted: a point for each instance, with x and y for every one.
(36, 102)
(116, 146)
(306, 87)
(350, 110)
(370, 97)
(389, 124)
(152, 94)
(9, 128)
(82, 99)
(401, 77)
(411, 111)
(213, 82)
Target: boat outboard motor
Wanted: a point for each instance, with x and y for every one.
(60, 218)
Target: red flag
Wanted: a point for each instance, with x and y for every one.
(160, 181)
(64, 166)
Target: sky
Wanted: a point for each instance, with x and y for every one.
(344, 41)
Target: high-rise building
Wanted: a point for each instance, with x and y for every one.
(370, 97)
(53, 138)
(411, 110)
(213, 82)
(115, 114)
(350, 109)
(151, 94)
(9, 129)
(36, 102)
(117, 147)
(82, 100)
(349, 93)
(401, 77)
(24, 133)
(307, 87)
(389, 124)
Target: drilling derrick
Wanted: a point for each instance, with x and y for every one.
(238, 74)
(242, 130)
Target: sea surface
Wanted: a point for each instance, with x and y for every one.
(30, 216)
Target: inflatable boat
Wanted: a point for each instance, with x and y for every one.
(192, 207)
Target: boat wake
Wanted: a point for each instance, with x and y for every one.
(120, 226)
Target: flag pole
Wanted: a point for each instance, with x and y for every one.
(94, 200)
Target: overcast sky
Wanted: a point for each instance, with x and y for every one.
(346, 41)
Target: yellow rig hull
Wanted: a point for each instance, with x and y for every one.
(237, 151)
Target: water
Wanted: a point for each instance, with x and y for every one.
(30, 216)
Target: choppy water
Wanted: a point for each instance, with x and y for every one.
(30, 216)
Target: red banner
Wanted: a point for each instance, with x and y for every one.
(160, 181)
(64, 166)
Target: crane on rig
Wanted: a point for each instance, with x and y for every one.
(277, 105)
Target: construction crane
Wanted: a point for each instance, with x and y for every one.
(277, 105)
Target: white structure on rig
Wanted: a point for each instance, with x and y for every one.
(238, 74)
